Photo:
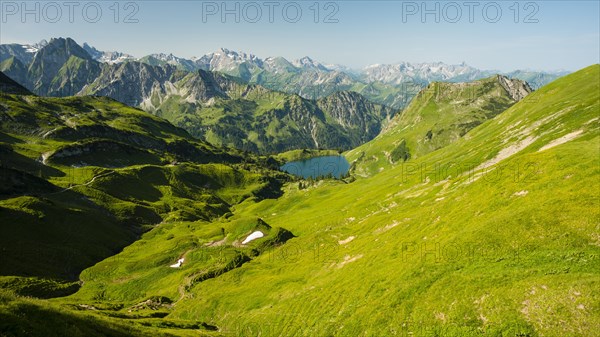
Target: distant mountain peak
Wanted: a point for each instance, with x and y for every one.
(308, 63)
(237, 55)
(62, 41)
(422, 72)
(36, 46)
(64, 46)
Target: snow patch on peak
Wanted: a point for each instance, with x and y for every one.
(111, 57)
(431, 71)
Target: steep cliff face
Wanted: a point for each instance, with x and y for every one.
(130, 82)
(59, 68)
(16, 70)
(353, 111)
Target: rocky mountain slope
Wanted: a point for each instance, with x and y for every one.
(393, 85)
(226, 111)
(8, 86)
(23, 53)
(219, 108)
(107, 56)
(58, 68)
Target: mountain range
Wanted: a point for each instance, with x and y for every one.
(393, 85)
(236, 99)
(214, 106)
(389, 84)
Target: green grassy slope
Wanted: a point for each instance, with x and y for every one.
(21, 316)
(439, 115)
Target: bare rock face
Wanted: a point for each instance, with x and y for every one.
(352, 111)
(516, 89)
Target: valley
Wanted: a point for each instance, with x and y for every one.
(483, 224)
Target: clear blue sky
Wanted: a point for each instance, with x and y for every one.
(565, 36)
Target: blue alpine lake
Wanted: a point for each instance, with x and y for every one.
(318, 167)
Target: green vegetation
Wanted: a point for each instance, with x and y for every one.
(295, 155)
(252, 118)
(82, 178)
(438, 116)
(20, 316)
(492, 231)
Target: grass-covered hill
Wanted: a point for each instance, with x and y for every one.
(438, 116)
(83, 177)
(495, 233)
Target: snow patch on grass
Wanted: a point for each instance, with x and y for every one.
(178, 264)
(521, 193)
(253, 236)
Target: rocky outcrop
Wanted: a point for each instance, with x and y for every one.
(516, 89)
(352, 111)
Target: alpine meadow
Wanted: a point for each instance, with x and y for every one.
(430, 169)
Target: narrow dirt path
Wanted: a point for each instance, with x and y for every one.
(91, 181)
